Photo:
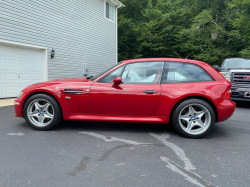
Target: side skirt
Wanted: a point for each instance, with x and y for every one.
(116, 118)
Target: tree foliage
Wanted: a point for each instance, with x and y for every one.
(206, 30)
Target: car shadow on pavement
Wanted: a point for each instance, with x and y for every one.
(217, 132)
(114, 126)
(242, 104)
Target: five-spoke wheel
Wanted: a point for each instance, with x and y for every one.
(193, 118)
(42, 112)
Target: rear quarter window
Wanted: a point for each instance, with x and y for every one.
(178, 72)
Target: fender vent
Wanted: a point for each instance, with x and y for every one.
(72, 91)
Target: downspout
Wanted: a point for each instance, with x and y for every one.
(117, 31)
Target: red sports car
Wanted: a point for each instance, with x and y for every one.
(190, 94)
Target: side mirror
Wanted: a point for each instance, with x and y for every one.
(216, 67)
(117, 81)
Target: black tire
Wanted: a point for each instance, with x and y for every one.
(57, 113)
(178, 123)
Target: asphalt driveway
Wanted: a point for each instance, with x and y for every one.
(123, 154)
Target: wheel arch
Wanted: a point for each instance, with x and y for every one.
(41, 92)
(196, 97)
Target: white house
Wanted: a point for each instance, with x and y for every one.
(79, 31)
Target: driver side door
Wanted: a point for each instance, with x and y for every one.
(138, 95)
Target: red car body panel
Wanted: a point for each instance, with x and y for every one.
(170, 95)
(128, 102)
(127, 99)
(117, 118)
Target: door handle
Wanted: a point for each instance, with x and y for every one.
(150, 91)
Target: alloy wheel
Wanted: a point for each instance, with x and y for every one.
(194, 119)
(40, 112)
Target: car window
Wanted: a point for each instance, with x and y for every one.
(143, 73)
(101, 73)
(184, 72)
(237, 63)
(110, 77)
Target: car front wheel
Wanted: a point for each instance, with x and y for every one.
(42, 112)
(193, 118)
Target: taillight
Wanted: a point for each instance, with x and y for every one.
(228, 95)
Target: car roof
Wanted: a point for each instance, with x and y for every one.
(204, 65)
(238, 57)
(163, 59)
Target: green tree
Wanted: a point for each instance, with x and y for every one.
(241, 22)
(207, 30)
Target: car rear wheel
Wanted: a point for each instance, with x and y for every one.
(42, 112)
(193, 118)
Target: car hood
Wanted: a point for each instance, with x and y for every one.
(239, 70)
(235, 70)
(56, 84)
(73, 79)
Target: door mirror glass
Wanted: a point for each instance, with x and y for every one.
(216, 67)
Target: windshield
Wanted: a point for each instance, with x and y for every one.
(236, 63)
(99, 74)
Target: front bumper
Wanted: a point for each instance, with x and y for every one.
(19, 105)
(238, 93)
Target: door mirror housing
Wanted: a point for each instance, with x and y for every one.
(216, 67)
(117, 81)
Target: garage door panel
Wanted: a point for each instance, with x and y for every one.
(36, 64)
(10, 50)
(19, 68)
(1, 90)
(10, 63)
(24, 77)
(23, 52)
(24, 63)
(37, 77)
(12, 90)
(11, 76)
(36, 54)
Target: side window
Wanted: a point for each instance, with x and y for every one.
(109, 78)
(109, 11)
(143, 73)
(184, 72)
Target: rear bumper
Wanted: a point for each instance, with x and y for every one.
(225, 109)
(239, 93)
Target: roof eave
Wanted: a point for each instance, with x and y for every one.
(116, 3)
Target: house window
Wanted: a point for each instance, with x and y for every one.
(110, 11)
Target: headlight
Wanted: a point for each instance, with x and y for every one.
(226, 75)
(19, 95)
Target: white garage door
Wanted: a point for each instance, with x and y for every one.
(19, 67)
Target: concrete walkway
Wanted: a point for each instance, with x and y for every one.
(7, 102)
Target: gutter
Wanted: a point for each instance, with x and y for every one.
(121, 5)
(116, 3)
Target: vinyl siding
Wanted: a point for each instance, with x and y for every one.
(77, 30)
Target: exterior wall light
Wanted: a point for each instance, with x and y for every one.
(52, 53)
